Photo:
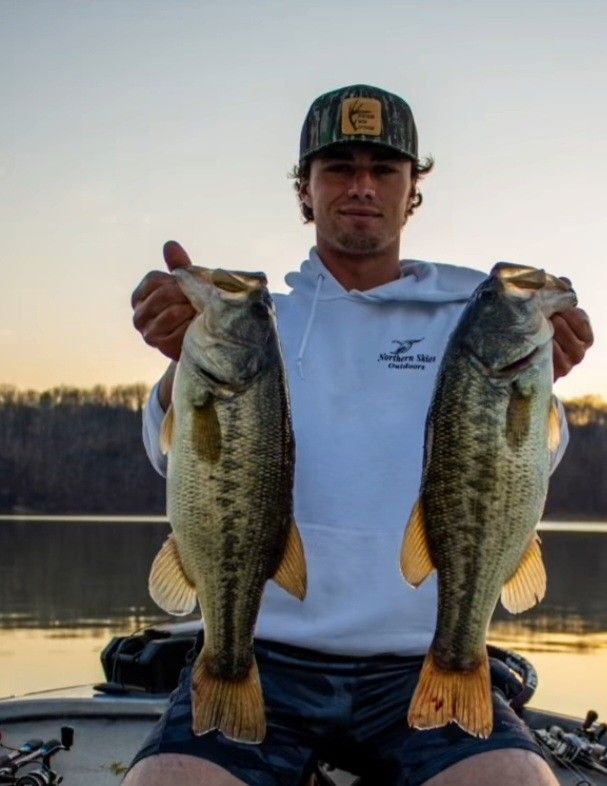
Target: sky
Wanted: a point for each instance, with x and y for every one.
(126, 124)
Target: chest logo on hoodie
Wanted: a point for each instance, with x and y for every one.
(400, 357)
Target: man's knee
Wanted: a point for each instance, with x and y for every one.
(167, 768)
(506, 767)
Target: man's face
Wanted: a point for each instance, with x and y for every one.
(360, 195)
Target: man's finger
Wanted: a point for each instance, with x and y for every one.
(568, 340)
(561, 363)
(578, 321)
(147, 285)
(175, 256)
(169, 343)
(166, 321)
(158, 300)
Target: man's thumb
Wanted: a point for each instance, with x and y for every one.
(175, 256)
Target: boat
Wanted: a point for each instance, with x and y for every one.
(87, 735)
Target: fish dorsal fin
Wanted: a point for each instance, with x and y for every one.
(207, 432)
(518, 419)
(415, 560)
(169, 586)
(554, 426)
(527, 585)
(292, 573)
(166, 430)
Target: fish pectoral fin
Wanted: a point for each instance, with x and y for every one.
(292, 572)
(235, 707)
(518, 418)
(554, 426)
(169, 586)
(207, 432)
(166, 430)
(527, 586)
(416, 562)
(443, 696)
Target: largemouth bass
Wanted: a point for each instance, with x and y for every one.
(230, 451)
(490, 428)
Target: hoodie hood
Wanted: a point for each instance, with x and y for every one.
(422, 282)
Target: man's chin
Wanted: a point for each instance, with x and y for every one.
(358, 242)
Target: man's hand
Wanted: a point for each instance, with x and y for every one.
(161, 312)
(572, 338)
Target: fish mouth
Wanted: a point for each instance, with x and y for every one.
(519, 279)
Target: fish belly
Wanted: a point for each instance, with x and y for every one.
(231, 519)
(482, 501)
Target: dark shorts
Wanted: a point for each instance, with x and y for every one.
(349, 712)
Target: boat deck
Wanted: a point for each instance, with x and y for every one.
(108, 731)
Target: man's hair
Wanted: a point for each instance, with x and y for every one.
(301, 172)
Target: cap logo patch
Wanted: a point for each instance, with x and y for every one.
(361, 116)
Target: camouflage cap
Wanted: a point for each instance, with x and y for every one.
(359, 113)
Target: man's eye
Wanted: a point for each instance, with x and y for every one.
(385, 169)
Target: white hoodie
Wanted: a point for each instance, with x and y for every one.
(361, 368)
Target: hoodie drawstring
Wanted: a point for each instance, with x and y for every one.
(304, 341)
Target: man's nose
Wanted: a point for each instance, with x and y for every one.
(362, 185)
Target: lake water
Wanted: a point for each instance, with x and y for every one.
(68, 586)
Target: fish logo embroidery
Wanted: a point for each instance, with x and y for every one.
(405, 346)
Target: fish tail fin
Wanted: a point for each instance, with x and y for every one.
(463, 697)
(235, 707)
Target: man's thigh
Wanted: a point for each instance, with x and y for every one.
(497, 768)
(392, 754)
(286, 755)
(166, 768)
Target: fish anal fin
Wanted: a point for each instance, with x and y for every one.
(166, 430)
(527, 585)
(443, 696)
(207, 432)
(292, 572)
(518, 418)
(169, 586)
(235, 707)
(415, 560)
(554, 426)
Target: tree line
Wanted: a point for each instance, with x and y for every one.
(69, 450)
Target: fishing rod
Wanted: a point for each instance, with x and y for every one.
(35, 754)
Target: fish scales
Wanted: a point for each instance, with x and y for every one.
(229, 492)
(232, 510)
(474, 507)
(490, 425)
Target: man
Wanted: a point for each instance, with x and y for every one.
(362, 334)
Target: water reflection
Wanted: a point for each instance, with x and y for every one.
(72, 574)
(67, 587)
(513, 636)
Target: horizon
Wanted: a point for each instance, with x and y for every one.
(596, 399)
(129, 124)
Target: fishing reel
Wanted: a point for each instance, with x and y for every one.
(581, 747)
(30, 764)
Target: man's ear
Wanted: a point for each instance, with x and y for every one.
(411, 197)
(304, 193)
